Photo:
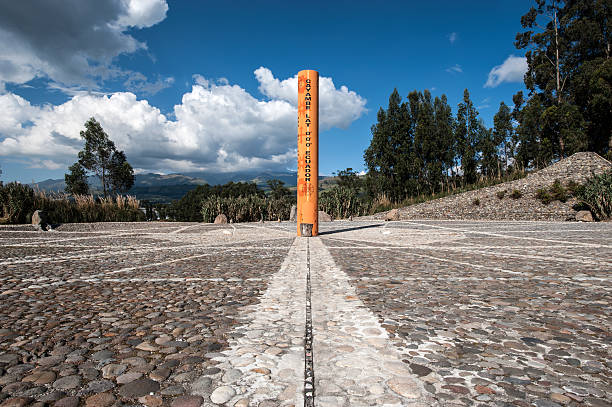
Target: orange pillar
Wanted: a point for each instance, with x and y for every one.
(308, 154)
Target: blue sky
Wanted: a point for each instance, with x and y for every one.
(208, 86)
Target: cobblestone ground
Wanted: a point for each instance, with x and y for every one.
(419, 313)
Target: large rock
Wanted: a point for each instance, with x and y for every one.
(39, 218)
(584, 216)
(324, 217)
(222, 394)
(138, 388)
(393, 214)
(293, 214)
(220, 219)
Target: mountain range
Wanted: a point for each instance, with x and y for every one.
(164, 188)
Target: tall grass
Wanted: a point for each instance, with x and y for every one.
(341, 202)
(18, 203)
(249, 208)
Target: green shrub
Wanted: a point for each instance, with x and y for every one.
(501, 194)
(516, 194)
(543, 196)
(558, 192)
(596, 194)
(573, 187)
(476, 202)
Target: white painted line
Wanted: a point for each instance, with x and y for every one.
(575, 243)
(350, 345)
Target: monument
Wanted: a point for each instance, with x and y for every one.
(308, 154)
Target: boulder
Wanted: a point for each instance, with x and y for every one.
(293, 214)
(584, 216)
(39, 219)
(393, 214)
(324, 217)
(221, 218)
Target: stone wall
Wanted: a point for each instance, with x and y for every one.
(578, 168)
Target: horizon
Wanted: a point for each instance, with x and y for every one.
(186, 87)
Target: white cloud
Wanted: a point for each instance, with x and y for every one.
(338, 107)
(46, 164)
(71, 42)
(512, 70)
(142, 13)
(452, 37)
(217, 126)
(454, 69)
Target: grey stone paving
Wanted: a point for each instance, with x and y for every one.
(413, 313)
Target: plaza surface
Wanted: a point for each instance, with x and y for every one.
(415, 313)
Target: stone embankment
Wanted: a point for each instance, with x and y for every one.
(485, 204)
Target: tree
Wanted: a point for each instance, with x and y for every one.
(76, 180)
(467, 133)
(588, 28)
(349, 179)
(445, 137)
(386, 155)
(568, 45)
(101, 157)
(545, 49)
(530, 143)
(502, 131)
(487, 145)
(278, 189)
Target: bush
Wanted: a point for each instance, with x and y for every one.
(543, 196)
(18, 203)
(573, 187)
(476, 202)
(596, 194)
(556, 192)
(516, 194)
(501, 194)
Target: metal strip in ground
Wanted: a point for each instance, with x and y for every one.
(309, 391)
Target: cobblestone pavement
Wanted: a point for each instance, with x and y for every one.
(412, 313)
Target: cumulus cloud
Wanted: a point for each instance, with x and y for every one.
(217, 126)
(454, 69)
(71, 42)
(512, 70)
(338, 107)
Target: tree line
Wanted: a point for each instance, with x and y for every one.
(420, 147)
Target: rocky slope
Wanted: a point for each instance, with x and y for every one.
(578, 168)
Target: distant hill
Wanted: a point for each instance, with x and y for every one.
(165, 188)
